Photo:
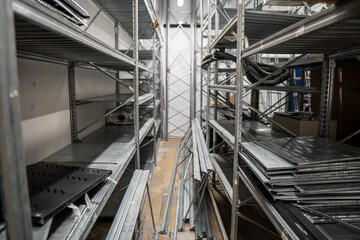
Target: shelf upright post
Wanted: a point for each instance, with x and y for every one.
(201, 58)
(193, 63)
(216, 72)
(208, 78)
(72, 102)
(14, 191)
(154, 92)
(238, 118)
(303, 75)
(327, 86)
(117, 84)
(167, 71)
(136, 80)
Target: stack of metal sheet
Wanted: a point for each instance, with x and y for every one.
(320, 176)
(68, 9)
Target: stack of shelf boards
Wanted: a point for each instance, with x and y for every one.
(40, 31)
(257, 182)
(110, 148)
(320, 175)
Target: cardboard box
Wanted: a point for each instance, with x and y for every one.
(303, 126)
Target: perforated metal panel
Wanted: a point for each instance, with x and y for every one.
(52, 187)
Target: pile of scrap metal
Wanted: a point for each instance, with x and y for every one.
(254, 71)
(69, 9)
(195, 165)
(319, 176)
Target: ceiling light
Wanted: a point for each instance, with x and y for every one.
(180, 3)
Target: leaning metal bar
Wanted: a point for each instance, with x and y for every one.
(326, 101)
(350, 136)
(111, 76)
(208, 76)
(106, 114)
(269, 119)
(273, 110)
(72, 102)
(136, 80)
(269, 108)
(257, 224)
(238, 117)
(217, 215)
(203, 183)
(13, 180)
(165, 220)
(151, 209)
(277, 71)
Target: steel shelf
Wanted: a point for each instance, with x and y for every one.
(111, 147)
(122, 11)
(331, 30)
(256, 130)
(116, 98)
(40, 31)
(223, 170)
(258, 25)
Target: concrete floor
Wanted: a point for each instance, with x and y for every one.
(159, 185)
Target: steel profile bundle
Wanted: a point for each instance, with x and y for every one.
(320, 176)
(195, 165)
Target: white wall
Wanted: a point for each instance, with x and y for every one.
(44, 95)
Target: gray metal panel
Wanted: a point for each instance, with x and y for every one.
(311, 150)
(267, 159)
(122, 11)
(118, 141)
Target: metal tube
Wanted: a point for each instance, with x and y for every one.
(350, 136)
(151, 209)
(166, 125)
(238, 117)
(13, 180)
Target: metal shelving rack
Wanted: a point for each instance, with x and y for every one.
(280, 33)
(26, 28)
